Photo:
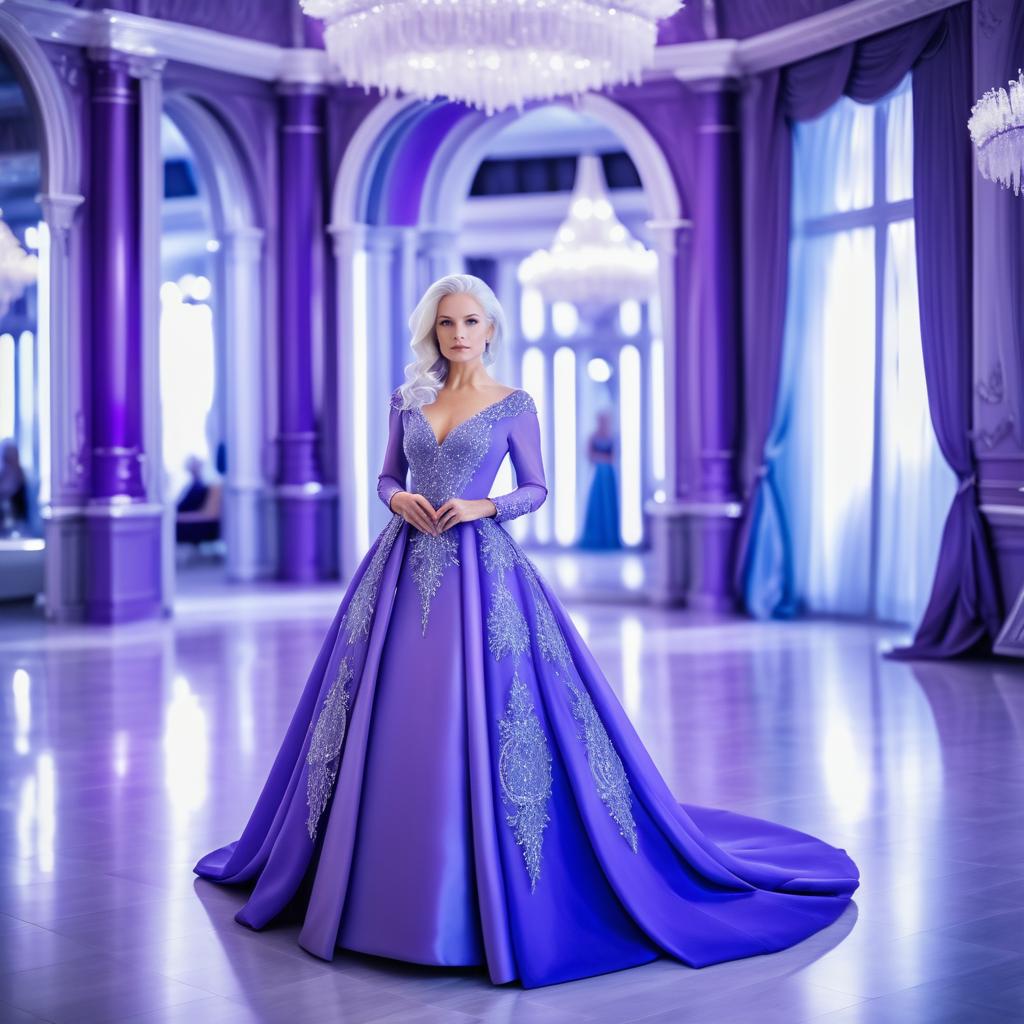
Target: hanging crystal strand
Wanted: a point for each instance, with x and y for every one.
(997, 128)
(491, 53)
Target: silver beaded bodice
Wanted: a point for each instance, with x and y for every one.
(440, 471)
(443, 471)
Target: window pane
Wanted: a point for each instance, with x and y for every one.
(899, 143)
(917, 485)
(7, 385)
(531, 314)
(833, 161)
(827, 470)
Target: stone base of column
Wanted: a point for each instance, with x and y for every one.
(249, 533)
(693, 547)
(66, 544)
(307, 541)
(123, 561)
(669, 546)
(713, 530)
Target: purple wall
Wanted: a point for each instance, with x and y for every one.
(269, 21)
(999, 315)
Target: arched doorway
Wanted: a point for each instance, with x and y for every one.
(212, 280)
(396, 222)
(48, 389)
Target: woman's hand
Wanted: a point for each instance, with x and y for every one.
(416, 511)
(464, 510)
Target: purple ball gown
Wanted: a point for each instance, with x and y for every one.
(460, 786)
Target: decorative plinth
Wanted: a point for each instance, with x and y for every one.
(306, 532)
(122, 578)
(694, 548)
(669, 545)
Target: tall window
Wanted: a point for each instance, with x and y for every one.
(865, 485)
(578, 367)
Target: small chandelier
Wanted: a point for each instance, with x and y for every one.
(490, 54)
(17, 268)
(594, 262)
(997, 128)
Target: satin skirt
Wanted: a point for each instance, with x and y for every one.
(416, 856)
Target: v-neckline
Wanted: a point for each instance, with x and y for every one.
(468, 419)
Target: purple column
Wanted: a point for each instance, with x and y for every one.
(116, 385)
(306, 550)
(715, 500)
(122, 565)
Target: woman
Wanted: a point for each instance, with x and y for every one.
(459, 784)
(601, 519)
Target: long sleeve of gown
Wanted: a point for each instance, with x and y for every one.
(531, 488)
(392, 475)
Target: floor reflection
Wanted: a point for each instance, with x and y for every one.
(125, 754)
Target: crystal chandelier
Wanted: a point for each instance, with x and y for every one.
(490, 54)
(17, 268)
(997, 128)
(594, 261)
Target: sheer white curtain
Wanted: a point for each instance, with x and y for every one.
(863, 481)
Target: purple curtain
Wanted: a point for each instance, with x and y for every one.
(964, 610)
(964, 605)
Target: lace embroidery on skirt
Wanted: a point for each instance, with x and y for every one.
(329, 728)
(508, 630)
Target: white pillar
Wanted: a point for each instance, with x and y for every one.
(438, 255)
(353, 468)
(247, 494)
(60, 330)
(151, 105)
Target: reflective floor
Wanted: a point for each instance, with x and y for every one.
(125, 754)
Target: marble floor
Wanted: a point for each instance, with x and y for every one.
(127, 753)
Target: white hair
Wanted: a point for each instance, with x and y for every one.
(426, 374)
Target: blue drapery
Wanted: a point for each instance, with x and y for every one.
(964, 607)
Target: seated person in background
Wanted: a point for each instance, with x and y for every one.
(198, 509)
(193, 497)
(13, 487)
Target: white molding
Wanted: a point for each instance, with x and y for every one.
(691, 62)
(348, 181)
(837, 27)
(134, 34)
(62, 171)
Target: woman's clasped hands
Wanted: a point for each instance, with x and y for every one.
(417, 511)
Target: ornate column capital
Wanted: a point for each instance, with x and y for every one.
(59, 210)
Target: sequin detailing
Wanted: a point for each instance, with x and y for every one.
(524, 762)
(360, 610)
(499, 553)
(510, 508)
(605, 764)
(429, 556)
(442, 471)
(325, 746)
(324, 754)
(524, 768)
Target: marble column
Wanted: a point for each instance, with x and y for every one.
(123, 570)
(246, 513)
(305, 506)
(669, 519)
(438, 256)
(714, 506)
(60, 287)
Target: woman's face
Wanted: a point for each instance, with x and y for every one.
(462, 328)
